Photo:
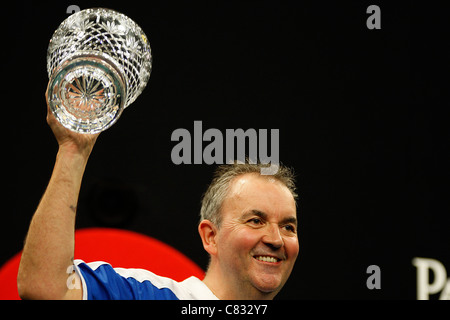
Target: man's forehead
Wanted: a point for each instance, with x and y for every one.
(251, 181)
(251, 191)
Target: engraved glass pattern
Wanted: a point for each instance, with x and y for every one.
(98, 61)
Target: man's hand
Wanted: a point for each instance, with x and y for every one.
(69, 140)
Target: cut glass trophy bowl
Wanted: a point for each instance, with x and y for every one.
(98, 61)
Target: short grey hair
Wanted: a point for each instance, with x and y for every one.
(217, 191)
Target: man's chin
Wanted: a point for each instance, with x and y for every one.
(268, 284)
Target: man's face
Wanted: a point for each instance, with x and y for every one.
(258, 244)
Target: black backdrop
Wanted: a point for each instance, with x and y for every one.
(362, 116)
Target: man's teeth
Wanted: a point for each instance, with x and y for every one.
(266, 258)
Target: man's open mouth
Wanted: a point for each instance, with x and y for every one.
(267, 259)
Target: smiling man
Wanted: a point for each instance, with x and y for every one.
(248, 226)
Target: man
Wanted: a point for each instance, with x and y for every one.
(248, 226)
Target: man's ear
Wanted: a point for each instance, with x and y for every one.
(208, 233)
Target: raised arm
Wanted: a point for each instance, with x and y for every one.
(49, 245)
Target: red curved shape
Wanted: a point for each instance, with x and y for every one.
(120, 248)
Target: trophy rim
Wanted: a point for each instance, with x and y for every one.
(100, 56)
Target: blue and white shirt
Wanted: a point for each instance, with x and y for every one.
(101, 281)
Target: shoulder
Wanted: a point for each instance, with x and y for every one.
(101, 281)
(196, 290)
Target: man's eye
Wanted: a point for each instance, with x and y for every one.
(289, 228)
(255, 221)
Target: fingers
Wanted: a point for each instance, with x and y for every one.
(64, 135)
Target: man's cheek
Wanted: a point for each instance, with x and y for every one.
(249, 238)
(241, 242)
(292, 248)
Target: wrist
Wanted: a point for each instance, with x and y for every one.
(72, 150)
(70, 154)
(69, 167)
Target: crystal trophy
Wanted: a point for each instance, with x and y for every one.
(98, 61)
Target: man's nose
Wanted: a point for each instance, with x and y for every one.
(273, 237)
